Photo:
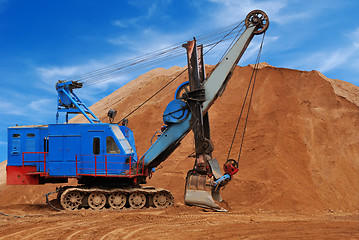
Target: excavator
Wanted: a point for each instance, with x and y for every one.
(103, 157)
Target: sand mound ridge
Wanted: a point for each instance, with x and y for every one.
(301, 149)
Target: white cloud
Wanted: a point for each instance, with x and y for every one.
(231, 11)
(3, 5)
(42, 104)
(344, 55)
(50, 75)
(341, 63)
(137, 21)
(57, 72)
(93, 88)
(11, 108)
(119, 23)
(117, 41)
(355, 38)
(334, 59)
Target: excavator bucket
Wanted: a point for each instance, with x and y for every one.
(199, 191)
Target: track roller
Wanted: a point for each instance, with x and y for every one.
(137, 200)
(162, 200)
(96, 200)
(117, 200)
(71, 199)
(82, 197)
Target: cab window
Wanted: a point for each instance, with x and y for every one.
(96, 146)
(16, 144)
(111, 146)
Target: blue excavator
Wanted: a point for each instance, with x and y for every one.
(103, 157)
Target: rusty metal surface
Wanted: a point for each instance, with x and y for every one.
(199, 191)
(259, 19)
(216, 170)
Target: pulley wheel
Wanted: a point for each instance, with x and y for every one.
(137, 200)
(117, 200)
(97, 200)
(182, 91)
(259, 19)
(233, 162)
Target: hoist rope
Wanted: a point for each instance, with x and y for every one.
(252, 79)
(230, 45)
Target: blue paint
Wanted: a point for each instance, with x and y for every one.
(222, 180)
(170, 136)
(91, 149)
(69, 103)
(176, 112)
(66, 142)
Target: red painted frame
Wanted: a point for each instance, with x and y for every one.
(44, 173)
(140, 170)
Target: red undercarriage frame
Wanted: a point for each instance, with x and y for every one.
(28, 175)
(21, 175)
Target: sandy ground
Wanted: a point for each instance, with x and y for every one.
(298, 176)
(178, 222)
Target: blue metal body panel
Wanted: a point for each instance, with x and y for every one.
(169, 137)
(71, 150)
(26, 139)
(175, 112)
(69, 103)
(179, 88)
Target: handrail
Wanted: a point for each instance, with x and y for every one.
(33, 161)
(89, 166)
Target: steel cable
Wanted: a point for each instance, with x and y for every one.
(252, 79)
(134, 64)
(213, 45)
(134, 68)
(138, 107)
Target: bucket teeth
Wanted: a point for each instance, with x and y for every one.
(199, 191)
(216, 195)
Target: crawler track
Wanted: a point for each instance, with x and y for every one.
(74, 198)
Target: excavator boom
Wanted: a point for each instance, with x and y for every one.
(204, 181)
(256, 23)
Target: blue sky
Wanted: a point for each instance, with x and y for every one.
(43, 41)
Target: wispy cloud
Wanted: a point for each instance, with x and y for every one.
(49, 75)
(3, 5)
(230, 11)
(9, 107)
(82, 72)
(328, 59)
(41, 105)
(333, 60)
(57, 72)
(354, 36)
(120, 23)
(136, 21)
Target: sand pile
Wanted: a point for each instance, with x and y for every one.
(2, 173)
(301, 149)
